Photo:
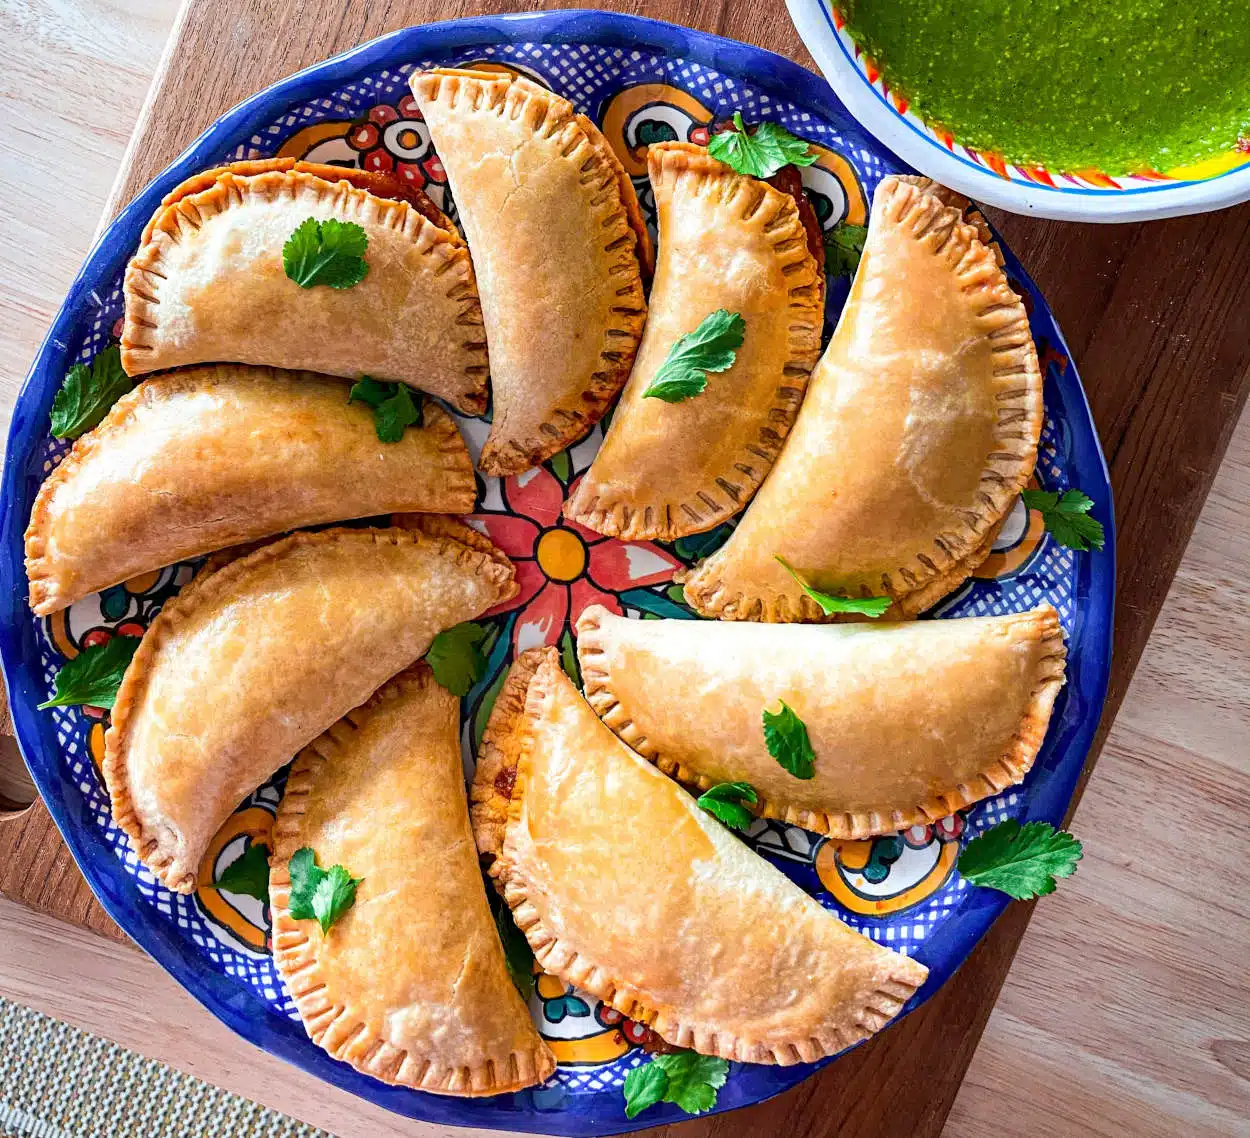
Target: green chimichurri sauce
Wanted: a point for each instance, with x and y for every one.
(1111, 85)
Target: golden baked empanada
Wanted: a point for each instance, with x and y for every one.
(627, 889)
(209, 284)
(556, 236)
(919, 429)
(209, 457)
(909, 721)
(249, 663)
(410, 984)
(728, 242)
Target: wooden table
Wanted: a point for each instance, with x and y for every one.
(1159, 318)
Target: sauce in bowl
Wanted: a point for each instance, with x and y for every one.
(1119, 86)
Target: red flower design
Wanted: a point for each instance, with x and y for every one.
(394, 139)
(562, 567)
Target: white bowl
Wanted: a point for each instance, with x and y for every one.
(1088, 196)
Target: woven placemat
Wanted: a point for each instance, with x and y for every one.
(59, 1082)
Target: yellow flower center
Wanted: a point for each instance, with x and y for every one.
(561, 554)
(408, 139)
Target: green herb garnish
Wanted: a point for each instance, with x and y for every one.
(318, 894)
(762, 153)
(864, 606)
(93, 676)
(87, 392)
(517, 954)
(712, 346)
(844, 244)
(1067, 518)
(1021, 861)
(724, 801)
(683, 1077)
(395, 406)
(785, 736)
(326, 252)
(456, 657)
(247, 874)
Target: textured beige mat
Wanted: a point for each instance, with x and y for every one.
(59, 1082)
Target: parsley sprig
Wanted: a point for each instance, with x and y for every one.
(395, 406)
(248, 874)
(87, 392)
(1067, 518)
(761, 153)
(1021, 861)
(712, 346)
(689, 1080)
(321, 895)
(93, 676)
(785, 736)
(724, 801)
(844, 245)
(329, 252)
(864, 606)
(456, 657)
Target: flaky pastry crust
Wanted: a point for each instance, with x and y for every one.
(555, 231)
(919, 430)
(591, 846)
(410, 984)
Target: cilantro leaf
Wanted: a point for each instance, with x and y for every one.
(93, 676)
(1021, 861)
(785, 736)
(87, 392)
(693, 1079)
(456, 657)
(395, 406)
(683, 1077)
(517, 954)
(1067, 519)
(762, 153)
(724, 801)
(844, 244)
(319, 894)
(247, 874)
(329, 252)
(644, 1087)
(712, 346)
(865, 606)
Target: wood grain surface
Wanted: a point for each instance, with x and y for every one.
(1158, 317)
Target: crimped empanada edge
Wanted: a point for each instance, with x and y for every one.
(578, 140)
(186, 213)
(755, 203)
(504, 758)
(924, 209)
(1040, 624)
(205, 588)
(336, 1026)
(48, 596)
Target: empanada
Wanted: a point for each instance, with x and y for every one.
(557, 238)
(627, 889)
(725, 242)
(209, 457)
(208, 282)
(249, 663)
(409, 985)
(909, 721)
(919, 429)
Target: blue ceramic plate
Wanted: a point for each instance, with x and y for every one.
(643, 81)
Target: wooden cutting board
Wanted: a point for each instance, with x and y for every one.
(1157, 315)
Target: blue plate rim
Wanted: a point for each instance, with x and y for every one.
(231, 1004)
